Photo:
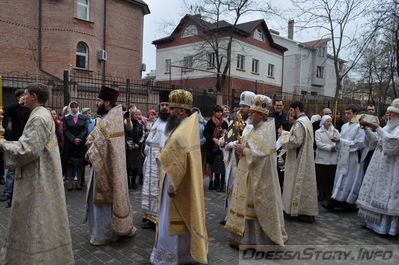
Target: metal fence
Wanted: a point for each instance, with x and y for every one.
(84, 88)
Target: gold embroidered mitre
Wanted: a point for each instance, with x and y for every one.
(261, 103)
(180, 98)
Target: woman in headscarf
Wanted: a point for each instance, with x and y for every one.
(214, 129)
(58, 130)
(326, 157)
(151, 117)
(75, 134)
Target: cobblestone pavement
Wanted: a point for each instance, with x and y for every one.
(343, 228)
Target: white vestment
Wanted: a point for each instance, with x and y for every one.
(169, 249)
(231, 165)
(154, 143)
(350, 167)
(379, 195)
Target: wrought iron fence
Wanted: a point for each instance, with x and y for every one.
(84, 88)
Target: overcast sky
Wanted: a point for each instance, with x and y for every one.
(168, 11)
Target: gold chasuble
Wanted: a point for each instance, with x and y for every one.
(181, 160)
(300, 189)
(256, 192)
(38, 230)
(107, 154)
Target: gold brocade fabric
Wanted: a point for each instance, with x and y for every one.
(106, 153)
(38, 230)
(300, 190)
(181, 160)
(256, 192)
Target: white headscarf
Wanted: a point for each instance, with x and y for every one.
(330, 130)
(70, 111)
(200, 117)
(315, 118)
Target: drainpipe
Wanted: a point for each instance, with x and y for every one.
(104, 35)
(282, 77)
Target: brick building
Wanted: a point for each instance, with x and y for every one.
(45, 37)
(185, 58)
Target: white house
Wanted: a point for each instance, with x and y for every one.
(186, 59)
(308, 69)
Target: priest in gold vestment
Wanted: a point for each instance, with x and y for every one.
(38, 230)
(109, 212)
(300, 189)
(181, 236)
(255, 217)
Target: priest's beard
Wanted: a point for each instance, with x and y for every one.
(101, 111)
(163, 115)
(172, 123)
(392, 123)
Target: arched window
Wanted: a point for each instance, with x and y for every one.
(82, 55)
(190, 30)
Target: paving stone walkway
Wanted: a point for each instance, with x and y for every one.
(338, 228)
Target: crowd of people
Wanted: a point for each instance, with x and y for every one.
(271, 164)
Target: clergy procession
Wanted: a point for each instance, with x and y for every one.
(271, 168)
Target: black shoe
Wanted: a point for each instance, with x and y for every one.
(306, 219)
(211, 185)
(4, 197)
(223, 222)
(328, 207)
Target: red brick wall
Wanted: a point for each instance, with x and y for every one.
(61, 31)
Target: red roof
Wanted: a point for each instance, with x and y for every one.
(316, 43)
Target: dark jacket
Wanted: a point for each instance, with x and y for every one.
(18, 115)
(280, 120)
(210, 146)
(72, 131)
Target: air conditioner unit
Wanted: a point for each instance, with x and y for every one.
(210, 90)
(143, 67)
(102, 55)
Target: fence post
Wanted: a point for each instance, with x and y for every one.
(127, 93)
(66, 88)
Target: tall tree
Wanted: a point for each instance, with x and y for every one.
(338, 20)
(220, 19)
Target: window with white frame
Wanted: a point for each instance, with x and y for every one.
(83, 9)
(188, 62)
(255, 66)
(168, 66)
(320, 72)
(240, 62)
(189, 31)
(211, 60)
(321, 52)
(270, 70)
(82, 55)
(259, 35)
